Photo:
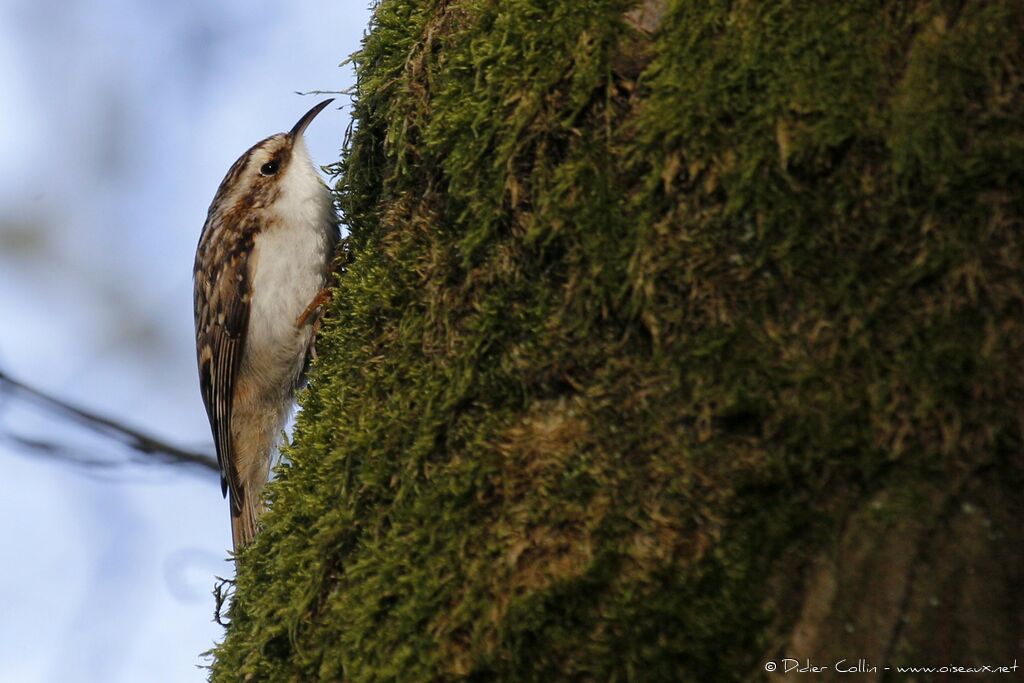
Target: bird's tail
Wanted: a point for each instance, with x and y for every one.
(243, 525)
(254, 430)
(256, 424)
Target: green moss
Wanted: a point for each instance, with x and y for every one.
(630, 323)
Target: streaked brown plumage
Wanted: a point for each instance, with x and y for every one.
(263, 257)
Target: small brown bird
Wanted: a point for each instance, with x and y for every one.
(261, 267)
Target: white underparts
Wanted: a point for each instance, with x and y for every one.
(288, 267)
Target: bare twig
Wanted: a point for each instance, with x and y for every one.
(223, 591)
(347, 91)
(132, 438)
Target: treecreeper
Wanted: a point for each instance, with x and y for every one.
(260, 275)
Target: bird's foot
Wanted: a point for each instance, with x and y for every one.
(322, 297)
(311, 349)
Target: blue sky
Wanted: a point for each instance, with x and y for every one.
(118, 119)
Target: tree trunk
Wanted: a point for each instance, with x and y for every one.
(678, 341)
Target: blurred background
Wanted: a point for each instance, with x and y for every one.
(118, 120)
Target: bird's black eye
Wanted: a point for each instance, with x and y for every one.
(269, 168)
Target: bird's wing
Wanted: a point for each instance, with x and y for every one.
(222, 297)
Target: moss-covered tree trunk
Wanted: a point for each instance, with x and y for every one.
(677, 338)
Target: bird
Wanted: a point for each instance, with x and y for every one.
(260, 280)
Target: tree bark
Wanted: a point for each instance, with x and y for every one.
(678, 342)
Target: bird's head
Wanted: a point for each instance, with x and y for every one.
(273, 169)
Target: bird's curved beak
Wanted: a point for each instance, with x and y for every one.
(300, 127)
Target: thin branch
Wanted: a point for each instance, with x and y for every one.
(346, 91)
(134, 439)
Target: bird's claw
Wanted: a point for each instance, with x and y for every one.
(322, 297)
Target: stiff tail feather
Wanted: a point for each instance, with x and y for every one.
(254, 428)
(243, 525)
